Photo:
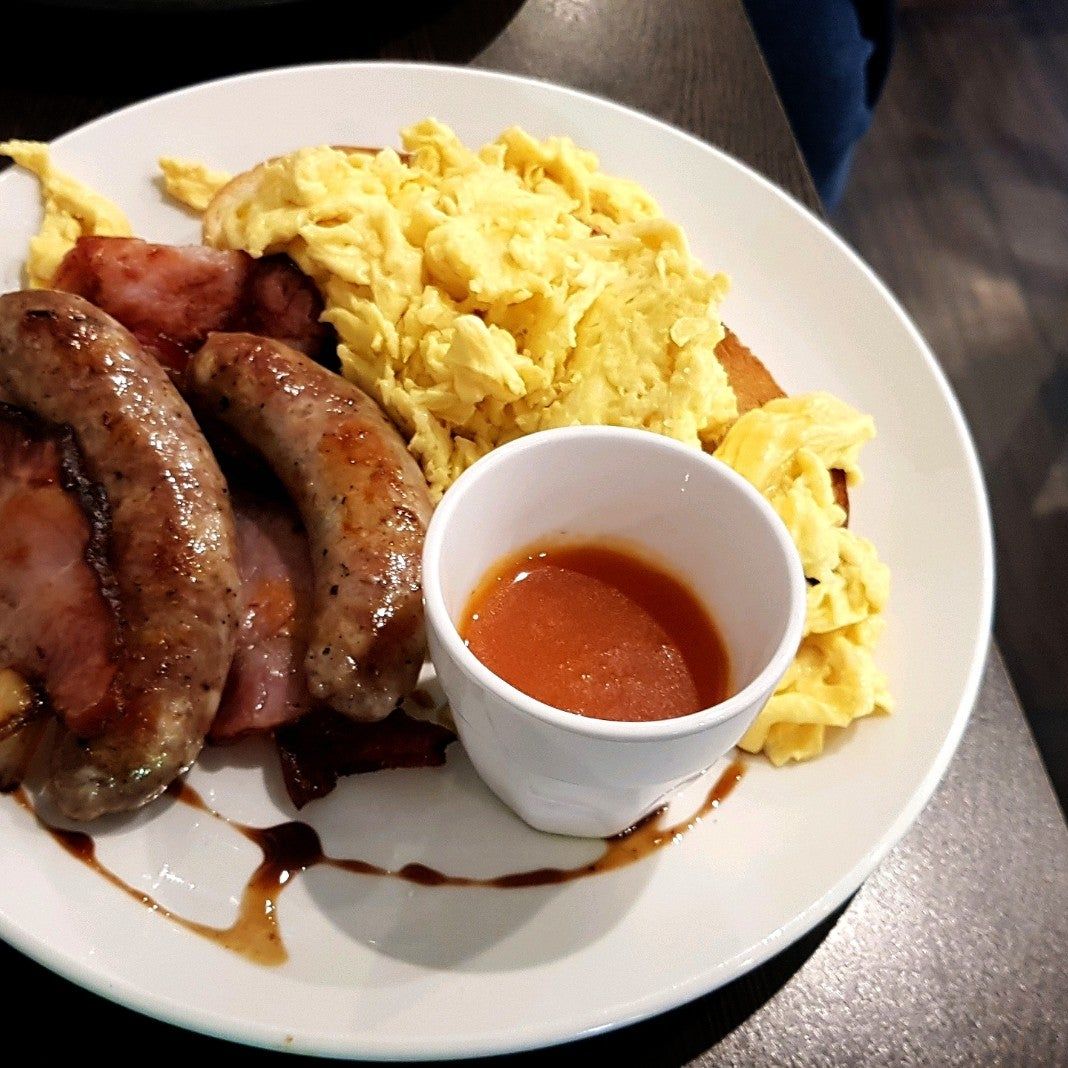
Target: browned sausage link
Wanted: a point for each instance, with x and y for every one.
(171, 542)
(363, 501)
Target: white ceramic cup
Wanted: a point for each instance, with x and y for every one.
(573, 774)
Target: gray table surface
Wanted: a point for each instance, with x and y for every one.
(954, 950)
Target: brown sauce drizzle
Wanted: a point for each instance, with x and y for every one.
(253, 935)
(290, 848)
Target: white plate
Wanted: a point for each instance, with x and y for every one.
(385, 969)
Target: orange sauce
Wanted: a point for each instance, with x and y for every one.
(595, 629)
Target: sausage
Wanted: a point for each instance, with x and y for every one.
(170, 542)
(363, 501)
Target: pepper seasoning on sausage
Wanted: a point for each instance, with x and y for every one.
(363, 501)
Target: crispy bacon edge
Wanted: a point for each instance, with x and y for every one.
(324, 745)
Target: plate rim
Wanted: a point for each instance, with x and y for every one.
(487, 1043)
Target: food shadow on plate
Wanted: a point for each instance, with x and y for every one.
(686, 1034)
(446, 819)
(443, 819)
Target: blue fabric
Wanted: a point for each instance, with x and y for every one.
(828, 59)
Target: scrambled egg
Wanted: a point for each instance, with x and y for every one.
(190, 182)
(71, 210)
(788, 449)
(484, 295)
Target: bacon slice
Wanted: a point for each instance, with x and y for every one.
(325, 745)
(57, 594)
(267, 686)
(171, 297)
(281, 302)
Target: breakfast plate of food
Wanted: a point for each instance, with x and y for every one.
(480, 566)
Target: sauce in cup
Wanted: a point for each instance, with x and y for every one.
(596, 629)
